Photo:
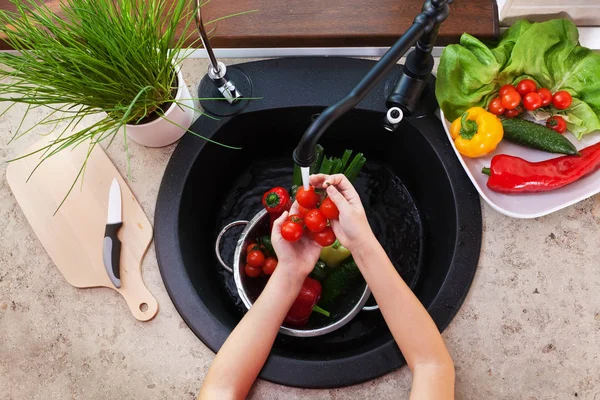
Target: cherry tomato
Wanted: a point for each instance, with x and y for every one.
(307, 198)
(276, 200)
(315, 220)
(526, 86)
(302, 210)
(297, 219)
(251, 247)
(562, 99)
(510, 99)
(506, 88)
(557, 123)
(325, 238)
(329, 209)
(251, 271)
(496, 107)
(269, 266)
(291, 231)
(532, 101)
(255, 258)
(546, 96)
(515, 112)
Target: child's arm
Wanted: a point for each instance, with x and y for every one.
(410, 324)
(245, 351)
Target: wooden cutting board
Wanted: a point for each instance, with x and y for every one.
(73, 236)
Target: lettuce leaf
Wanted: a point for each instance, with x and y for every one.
(471, 73)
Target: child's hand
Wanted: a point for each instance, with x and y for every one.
(297, 259)
(352, 228)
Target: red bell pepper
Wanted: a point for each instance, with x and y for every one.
(510, 174)
(276, 200)
(305, 303)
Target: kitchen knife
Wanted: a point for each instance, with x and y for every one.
(111, 247)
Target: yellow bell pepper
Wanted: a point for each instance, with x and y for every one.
(476, 133)
(334, 255)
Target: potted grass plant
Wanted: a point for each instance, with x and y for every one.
(116, 59)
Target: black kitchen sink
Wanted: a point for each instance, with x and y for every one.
(420, 203)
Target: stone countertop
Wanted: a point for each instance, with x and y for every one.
(529, 328)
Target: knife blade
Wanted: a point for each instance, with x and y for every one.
(111, 246)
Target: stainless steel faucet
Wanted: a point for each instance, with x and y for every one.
(217, 71)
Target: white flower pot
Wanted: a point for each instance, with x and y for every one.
(162, 132)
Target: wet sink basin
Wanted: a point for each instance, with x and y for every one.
(420, 203)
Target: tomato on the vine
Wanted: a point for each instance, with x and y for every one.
(269, 266)
(315, 220)
(511, 99)
(251, 271)
(329, 209)
(324, 238)
(496, 107)
(562, 99)
(546, 96)
(532, 101)
(526, 86)
(255, 258)
(506, 88)
(557, 123)
(307, 198)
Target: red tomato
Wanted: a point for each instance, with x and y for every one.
(562, 99)
(251, 247)
(276, 200)
(526, 86)
(515, 112)
(297, 219)
(510, 99)
(251, 271)
(291, 231)
(307, 198)
(496, 107)
(270, 265)
(315, 221)
(325, 238)
(329, 209)
(532, 101)
(557, 123)
(546, 96)
(302, 210)
(506, 88)
(255, 258)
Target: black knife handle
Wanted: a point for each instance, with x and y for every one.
(115, 254)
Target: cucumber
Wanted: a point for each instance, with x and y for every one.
(319, 272)
(535, 136)
(339, 280)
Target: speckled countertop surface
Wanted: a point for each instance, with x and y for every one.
(529, 329)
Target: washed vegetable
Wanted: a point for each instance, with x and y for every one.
(496, 106)
(535, 136)
(563, 99)
(471, 73)
(557, 123)
(526, 86)
(269, 266)
(255, 258)
(476, 133)
(307, 198)
(276, 200)
(511, 99)
(334, 255)
(315, 221)
(532, 101)
(319, 272)
(251, 271)
(325, 237)
(329, 209)
(293, 228)
(546, 96)
(339, 280)
(510, 174)
(515, 112)
(302, 210)
(305, 303)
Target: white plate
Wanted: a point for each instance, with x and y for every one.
(529, 205)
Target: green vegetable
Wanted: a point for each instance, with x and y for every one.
(346, 158)
(355, 166)
(339, 280)
(266, 241)
(530, 134)
(333, 255)
(326, 165)
(319, 272)
(471, 73)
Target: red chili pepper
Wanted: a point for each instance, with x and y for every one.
(276, 200)
(305, 303)
(510, 174)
